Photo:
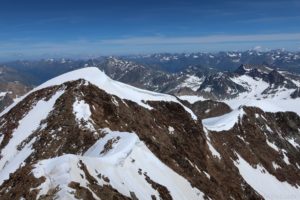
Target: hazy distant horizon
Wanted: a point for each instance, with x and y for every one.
(86, 57)
(36, 29)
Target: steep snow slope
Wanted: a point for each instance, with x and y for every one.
(265, 183)
(224, 122)
(11, 157)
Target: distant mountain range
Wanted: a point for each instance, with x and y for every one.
(223, 61)
(217, 76)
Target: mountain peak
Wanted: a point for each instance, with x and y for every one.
(93, 75)
(83, 135)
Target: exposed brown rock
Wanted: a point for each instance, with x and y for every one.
(186, 151)
(208, 108)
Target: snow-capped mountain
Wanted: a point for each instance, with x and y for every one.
(223, 61)
(251, 85)
(12, 86)
(196, 79)
(97, 138)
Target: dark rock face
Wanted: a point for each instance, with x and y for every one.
(208, 108)
(274, 77)
(277, 81)
(240, 70)
(139, 75)
(12, 90)
(13, 84)
(220, 86)
(254, 73)
(5, 101)
(296, 93)
(184, 91)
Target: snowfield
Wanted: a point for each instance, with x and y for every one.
(192, 82)
(224, 122)
(264, 183)
(126, 165)
(281, 101)
(278, 102)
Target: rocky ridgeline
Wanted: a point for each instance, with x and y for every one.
(106, 145)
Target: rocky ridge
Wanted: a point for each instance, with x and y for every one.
(101, 139)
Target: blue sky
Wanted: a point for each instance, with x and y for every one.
(44, 28)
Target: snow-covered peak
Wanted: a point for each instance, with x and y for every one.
(97, 77)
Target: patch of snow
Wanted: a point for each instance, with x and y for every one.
(291, 141)
(1, 137)
(191, 99)
(224, 122)
(115, 101)
(231, 55)
(81, 110)
(275, 166)
(207, 89)
(206, 174)
(264, 183)
(171, 130)
(2, 94)
(213, 150)
(192, 82)
(285, 158)
(207, 111)
(269, 129)
(272, 145)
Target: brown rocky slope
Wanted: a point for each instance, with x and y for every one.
(156, 131)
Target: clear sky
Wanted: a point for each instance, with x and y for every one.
(71, 28)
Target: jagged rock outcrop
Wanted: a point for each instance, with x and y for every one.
(220, 86)
(296, 93)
